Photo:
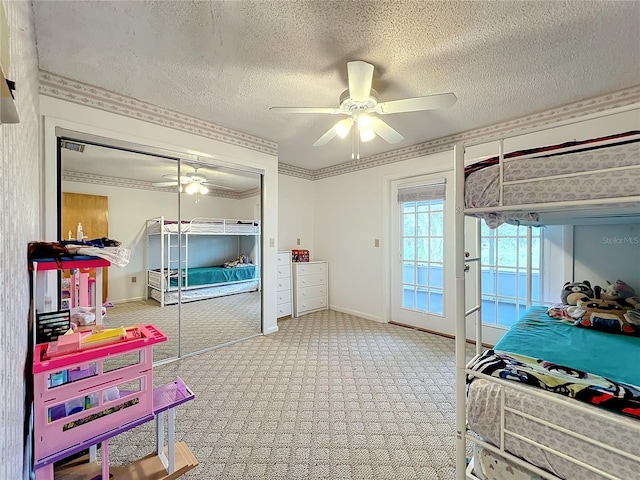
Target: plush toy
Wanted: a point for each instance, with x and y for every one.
(624, 290)
(604, 315)
(574, 291)
(617, 292)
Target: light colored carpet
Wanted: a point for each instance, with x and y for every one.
(205, 323)
(330, 396)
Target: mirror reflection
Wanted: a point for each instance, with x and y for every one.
(193, 229)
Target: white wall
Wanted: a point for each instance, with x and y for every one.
(607, 252)
(128, 210)
(19, 224)
(79, 118)
(296, 210)
(348, 219)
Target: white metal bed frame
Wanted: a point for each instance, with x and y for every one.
(464, 470)
(160, 280)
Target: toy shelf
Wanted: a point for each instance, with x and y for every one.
(86, 397)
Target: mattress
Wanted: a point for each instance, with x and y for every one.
(483, 417)
(482, 182)
(608, 355)
(206, 226)
(213, 275)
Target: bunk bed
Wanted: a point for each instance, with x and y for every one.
(179, 271)
(512, 429)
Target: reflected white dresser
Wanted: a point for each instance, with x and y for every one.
(284, 284)
(310, 287)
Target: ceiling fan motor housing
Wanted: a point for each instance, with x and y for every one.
(349, 105)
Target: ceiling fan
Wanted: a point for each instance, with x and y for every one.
(361, 106)
(194, 183)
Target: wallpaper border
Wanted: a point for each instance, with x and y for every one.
(77, 92)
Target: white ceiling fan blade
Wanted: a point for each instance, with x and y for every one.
(331, 110)
(360, 77)
(430, 102)
(165, 184)
(326, 138)
(384, 131)
(174, 178)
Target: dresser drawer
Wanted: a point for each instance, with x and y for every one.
(312, 304)
(284, 309)
(284, 296)
(284, 258)
(312, 280)
(311, 268)
(284, 271)
(311, 292)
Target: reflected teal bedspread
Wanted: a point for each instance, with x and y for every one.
(616, 357)
(212, 275)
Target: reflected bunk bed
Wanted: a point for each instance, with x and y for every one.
(506, 427)
(197, 254)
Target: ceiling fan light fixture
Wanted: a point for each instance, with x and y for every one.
(191, 188)
(365, 126)
(203, 190)
(343, 127)
(367, 135)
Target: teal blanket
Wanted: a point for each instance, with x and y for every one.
(212, 275)
(537, 335)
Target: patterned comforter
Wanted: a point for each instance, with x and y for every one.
(593, 389)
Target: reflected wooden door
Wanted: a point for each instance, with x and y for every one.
(93, 212)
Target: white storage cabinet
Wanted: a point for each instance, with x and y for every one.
(311, 289)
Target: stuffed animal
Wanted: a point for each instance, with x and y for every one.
(617, 292)
(604, 315)
(574, 291)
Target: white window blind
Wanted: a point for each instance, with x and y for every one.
(422, 193)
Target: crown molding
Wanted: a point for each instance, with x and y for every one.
(71, 176)
(563, 113)
(77, 92)
(56, 86)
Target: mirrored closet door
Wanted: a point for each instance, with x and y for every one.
(220, 256)
(169, 213)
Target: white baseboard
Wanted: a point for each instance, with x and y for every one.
(356, 313)
(127, 300)
(272, 329)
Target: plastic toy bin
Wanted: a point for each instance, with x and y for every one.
(81, 395)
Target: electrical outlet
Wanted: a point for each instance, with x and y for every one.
(298, 241)
(376, 242)
(272, 242)
(134, 279)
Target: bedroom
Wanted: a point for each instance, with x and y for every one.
(298, 196)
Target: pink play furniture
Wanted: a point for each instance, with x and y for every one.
(82, 398)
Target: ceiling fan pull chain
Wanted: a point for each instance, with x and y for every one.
(353, 143)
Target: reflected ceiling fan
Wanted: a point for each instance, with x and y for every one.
(191, 183)
(360, 104)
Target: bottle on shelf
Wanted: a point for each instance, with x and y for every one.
(79, 233)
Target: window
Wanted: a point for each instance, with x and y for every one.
(504, 272)
(422, 237)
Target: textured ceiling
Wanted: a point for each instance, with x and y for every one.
(228, 62)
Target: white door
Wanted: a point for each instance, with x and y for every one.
(421, 253)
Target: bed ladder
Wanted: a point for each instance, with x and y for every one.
(176, 255)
